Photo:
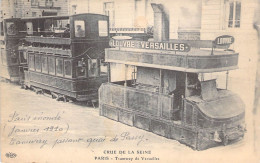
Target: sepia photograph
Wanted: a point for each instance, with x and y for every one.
(107, 81)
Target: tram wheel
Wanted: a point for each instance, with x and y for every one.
(66, 99)
(225, 141)
(73, 99)
(22, 86)
(25, 87)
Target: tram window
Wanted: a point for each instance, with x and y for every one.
(189, 111)
(14, 58)
(2, 28)
(221, 78)
(81, 68)
(31, 62)
(22, 57)
(92, 68)
(3, 55)
(11, 28)
(51, 64)
(67, 68)
(79, 28)
(44, 64)
(29, 28)
(1, 61)
(59, 67)
(103, 68)
(38, 66)
(102, 28)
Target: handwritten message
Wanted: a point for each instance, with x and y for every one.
(45, 130)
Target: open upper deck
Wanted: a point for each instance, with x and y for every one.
(196, 60)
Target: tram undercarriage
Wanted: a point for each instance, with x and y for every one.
(64, 89)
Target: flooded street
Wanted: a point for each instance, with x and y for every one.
(35, 127)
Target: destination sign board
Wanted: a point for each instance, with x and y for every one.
(166, 46)
(224, 40)
(127, 30)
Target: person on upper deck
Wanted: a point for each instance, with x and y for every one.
(67, 31)
(79, 32)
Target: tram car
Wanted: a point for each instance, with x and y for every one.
(65, 55)
(174, 93)
(11, 33)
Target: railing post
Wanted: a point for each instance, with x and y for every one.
(227, 79)
(159, 95)
(125, 85)
(108, 73)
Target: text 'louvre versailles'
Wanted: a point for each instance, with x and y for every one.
(168, 46)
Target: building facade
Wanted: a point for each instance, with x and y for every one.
(122, 14)
(189, 19)
(32, 8)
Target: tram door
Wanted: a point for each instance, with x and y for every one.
(179, 93)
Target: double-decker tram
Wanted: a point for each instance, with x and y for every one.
(174, 90)
(11, 32)
(64, 55)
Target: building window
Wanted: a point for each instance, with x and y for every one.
(109, 10)
(33, 14)
(48, 3)
(74, 9)
(34, 2)
(234, 14)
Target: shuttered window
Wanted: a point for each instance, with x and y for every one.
(31, 62)
(67, 68)
(38, 66)
(51, 65)
(44, 64)
(59, 67)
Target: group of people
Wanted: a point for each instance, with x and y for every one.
(79, 32)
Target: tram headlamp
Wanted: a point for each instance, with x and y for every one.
(242, 126)
(216, 137)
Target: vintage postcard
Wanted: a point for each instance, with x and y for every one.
(129, 81)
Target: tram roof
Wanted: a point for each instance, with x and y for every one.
(58, 17)
(46, 17)
(196, 60)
